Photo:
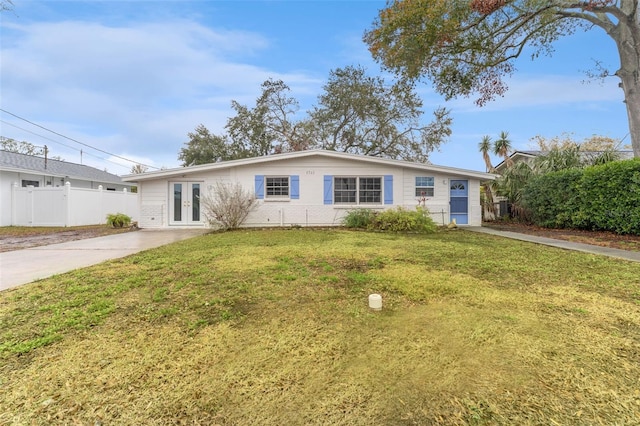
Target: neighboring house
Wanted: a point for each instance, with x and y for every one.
(33, 171)
(528, 156)
(311, 188)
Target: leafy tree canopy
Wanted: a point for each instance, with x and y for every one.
(356, 113)
(467, 47)
(21, 147)
(204, 147)
(595, 143)
(137, 169)
(362, 115)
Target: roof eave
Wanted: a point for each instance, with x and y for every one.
(301, 154)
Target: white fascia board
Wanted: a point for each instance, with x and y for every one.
(180, 171)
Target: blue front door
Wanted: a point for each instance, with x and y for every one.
(459, 201)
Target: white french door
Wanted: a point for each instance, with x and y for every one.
(184, 207)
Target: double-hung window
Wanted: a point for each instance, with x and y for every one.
(357, 190)
(424, 186)
(277, 186)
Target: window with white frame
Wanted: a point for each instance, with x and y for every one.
(357, 190)
(276, 186)
(424, 186)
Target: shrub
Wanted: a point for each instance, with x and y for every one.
(228, 205)
(610, 196)
(403, 220)
(603, 198)
(552, 199)
(358, 218)
(118, 220)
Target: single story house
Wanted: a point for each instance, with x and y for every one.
(311, 188)
(40, 172)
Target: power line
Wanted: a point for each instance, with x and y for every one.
(60, 143)
(39, 135)
(76, 141)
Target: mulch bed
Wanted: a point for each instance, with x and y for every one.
(598, 238)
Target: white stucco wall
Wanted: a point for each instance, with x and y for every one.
(309, 209)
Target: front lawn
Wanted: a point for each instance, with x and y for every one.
(272, 327)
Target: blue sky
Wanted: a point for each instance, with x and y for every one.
(132, 78)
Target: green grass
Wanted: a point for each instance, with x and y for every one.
(273, 327)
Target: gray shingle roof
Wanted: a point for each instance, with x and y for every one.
(14, 161)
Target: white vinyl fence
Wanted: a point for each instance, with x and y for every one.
(67, 206)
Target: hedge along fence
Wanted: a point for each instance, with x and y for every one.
(604, 197)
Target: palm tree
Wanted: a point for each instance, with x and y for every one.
(485, 147)
(510, 185)
(502, 147)
(489, 207)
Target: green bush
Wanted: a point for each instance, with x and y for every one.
(552, 199)
(118, 220)
(403, 220)
(610, 197)
(358, 218)
(605, 197)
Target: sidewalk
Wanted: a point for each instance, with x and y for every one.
(633, 256)
(24, 266)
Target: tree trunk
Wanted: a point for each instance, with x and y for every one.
(627, 38)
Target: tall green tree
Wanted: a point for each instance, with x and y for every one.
(271, 126)
(204, 147)
(467, 47)
(361, 114)
(356, 113)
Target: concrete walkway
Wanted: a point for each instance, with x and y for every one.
(633, 256)
(24, 266)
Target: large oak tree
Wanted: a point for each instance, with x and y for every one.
(467, 47)
(363, 115)
(356, 113)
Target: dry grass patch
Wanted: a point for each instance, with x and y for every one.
(193, 334)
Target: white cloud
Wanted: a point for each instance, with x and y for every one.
(137, 89)
(526, 91)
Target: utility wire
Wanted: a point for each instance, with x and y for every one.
(76, 141)
(65, 145)
(39, 135)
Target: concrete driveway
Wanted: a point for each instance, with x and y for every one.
(24, 266)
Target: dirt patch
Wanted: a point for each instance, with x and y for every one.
(18, 238)
(597, 238)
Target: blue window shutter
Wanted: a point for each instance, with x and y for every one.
(328, 189)
(388, 189)
(295, 187)
(259, 187)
